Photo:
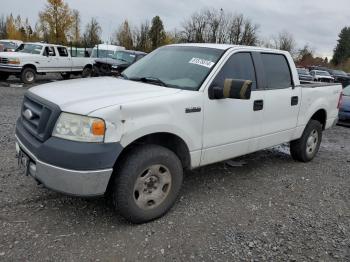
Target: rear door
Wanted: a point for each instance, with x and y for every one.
(63, 61)
(281, 100)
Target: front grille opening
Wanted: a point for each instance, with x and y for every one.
(37, 117)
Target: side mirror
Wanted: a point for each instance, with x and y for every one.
(233, 88)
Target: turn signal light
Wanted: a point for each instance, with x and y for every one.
(98, 128)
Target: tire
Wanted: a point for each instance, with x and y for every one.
(86, 72)
(65, 76)
(147, 183)
(306, 148)
(4, 76)
(28, 75)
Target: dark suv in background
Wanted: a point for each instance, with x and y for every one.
(116, 64)
(340, 77)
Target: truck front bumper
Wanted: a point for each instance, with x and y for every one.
(67, 181)
(72, 168)
(10, 68)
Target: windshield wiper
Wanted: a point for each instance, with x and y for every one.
(121, 59)
(153, 80)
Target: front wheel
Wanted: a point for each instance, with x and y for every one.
(86, 72)
(28, 75)
(306, 148)
(147, 183)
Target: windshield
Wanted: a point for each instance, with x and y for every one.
(124, 56)
(303, 71)
(176, 66)
(8, 45)
(346, 91)
(102, 53)
(30, 49)
(322, 73)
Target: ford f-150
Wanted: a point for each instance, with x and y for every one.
(181, 107)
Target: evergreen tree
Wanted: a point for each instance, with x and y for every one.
(342, 50)
(157, 33)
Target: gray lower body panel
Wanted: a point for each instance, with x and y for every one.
(85, 183)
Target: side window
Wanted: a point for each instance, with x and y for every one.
(62, 51)
(277, 71)
(238, 66)
(50, 51)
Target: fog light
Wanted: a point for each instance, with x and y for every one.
(17, 149)
(32, 169)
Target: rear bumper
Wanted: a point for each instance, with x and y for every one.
(10, 68)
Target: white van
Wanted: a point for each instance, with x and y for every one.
(105, 50)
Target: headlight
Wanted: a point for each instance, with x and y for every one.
(13, 61)
(80, 128)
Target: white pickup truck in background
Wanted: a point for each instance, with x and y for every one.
(31, 59)
(180, 107)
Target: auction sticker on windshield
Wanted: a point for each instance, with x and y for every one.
(201, 62)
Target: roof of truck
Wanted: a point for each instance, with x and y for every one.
(227, 46)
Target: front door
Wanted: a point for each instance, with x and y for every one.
(64, 61)
(232, 126)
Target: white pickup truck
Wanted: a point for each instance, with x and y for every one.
(181, 107)
(31, 59)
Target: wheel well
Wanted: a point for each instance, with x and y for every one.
(167, 140)
(29, 66)
(321, 117)
(88, 66)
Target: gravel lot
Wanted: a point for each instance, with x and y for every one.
(271, 208)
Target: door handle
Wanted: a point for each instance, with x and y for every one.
(294, 100)
(258, 105)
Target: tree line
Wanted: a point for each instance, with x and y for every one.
(58, 23)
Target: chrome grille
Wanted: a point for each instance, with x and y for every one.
(4, 60)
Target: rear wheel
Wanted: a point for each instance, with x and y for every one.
(147, 183)
(4, 76)
(305, 148)
(28, 75)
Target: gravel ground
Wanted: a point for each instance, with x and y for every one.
(270, 208)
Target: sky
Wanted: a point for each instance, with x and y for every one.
(313, 22)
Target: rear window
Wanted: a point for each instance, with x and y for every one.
(277, 71)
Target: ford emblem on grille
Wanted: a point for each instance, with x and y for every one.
(28, 114)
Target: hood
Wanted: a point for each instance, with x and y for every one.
(110, 61)
(83, 96)
(15, 55)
